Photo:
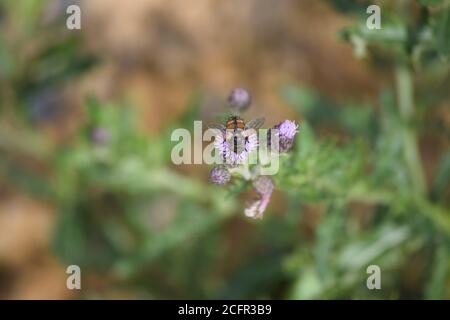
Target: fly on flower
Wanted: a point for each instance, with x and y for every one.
(236, 139)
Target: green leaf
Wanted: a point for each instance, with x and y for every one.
(441, 27)
(357, 7)
(437, 287)
(430, 2)
(442, 177)
(307, 286)
(360, 254)
(7, 63)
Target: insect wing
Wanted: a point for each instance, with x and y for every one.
(248, 132)
(217, 126)
(255, 123)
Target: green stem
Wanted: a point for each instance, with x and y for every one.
(405, 97)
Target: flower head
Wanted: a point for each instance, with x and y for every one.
(234, 146)
(240, 99)
(286, 131)
(219, 175)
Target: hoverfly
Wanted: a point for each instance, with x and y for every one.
(237, 132)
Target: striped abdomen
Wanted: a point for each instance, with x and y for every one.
(235, 123)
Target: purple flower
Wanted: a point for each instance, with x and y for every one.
(240, 99)
(100, 136)
(285, 131)
(264, 186)
(234, 146)
(219, 175)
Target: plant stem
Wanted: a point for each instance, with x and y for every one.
(405, 99)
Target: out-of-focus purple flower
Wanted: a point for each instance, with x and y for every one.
(264, 186)
(100, 136)
(56, 9)
(286, 131)
(234, 147)
(47, 105)
(219, 175)
(240, 99)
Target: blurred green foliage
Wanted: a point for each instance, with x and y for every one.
(127, 214)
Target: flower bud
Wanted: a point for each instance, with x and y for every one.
(240, 99)
(263, 185)
(256, 208)
(219, 175)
